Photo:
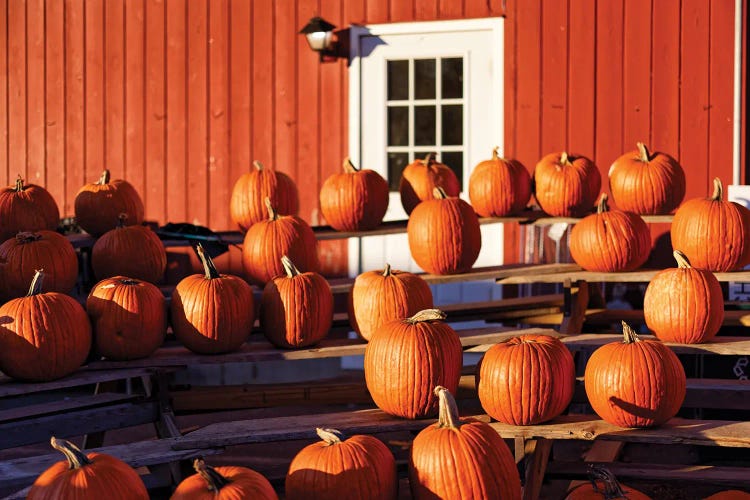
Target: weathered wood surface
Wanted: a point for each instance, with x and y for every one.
(578, 274)
(598, 316)
(703, 474)
(63, 405)
(10, 387)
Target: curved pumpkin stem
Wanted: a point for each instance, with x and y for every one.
(439, 193)
(28, 237)
(19, 184)
(36, 283)
(643, 153)
(272, 214)
(426, 315)
(496, 153)
(602, 206)
(612, 488)
(330, 436)
(564, 158)
(76, 458)
(258, 165)
(682, 260)
(349, 167)
(215, 480)
(629, 335)
(447, 409)
(387, 270)
(104, 178)
(718, 193)
(128, 281)
(429, 159)
(289, 267)
(208, 265)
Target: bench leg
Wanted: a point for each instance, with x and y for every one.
(537, 453)
(576, 301)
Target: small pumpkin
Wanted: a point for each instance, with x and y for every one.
(405, 359)
(527, 380)
(355, 200)
(296, 309)
(610, 240)
(499, 187)
(43, 336)
(461, 458)
(646, 183)
(129, 318)
(729, 495)
(714, 234)
(359, 467)
(266, 241)
(617, 391)
(223, 483)
(420, 178)
(26, 207)
(603, 485)
(377, 297)
(97, 205)
(247, 205)
(566, 185)
(444, 235)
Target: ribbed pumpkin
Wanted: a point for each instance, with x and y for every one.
(499, 187)
(526, 380)
(21, 256)
(617, 390)
(420, 178)
(603, 485)
(247, 203)
(296, 309)
(610, 240)
(566, 185)
(212, 313)
(129, 318)
(360, 467)
(444, 235)
(223, 483)
(381, 296)
(26, 208)
(355, 200)
(405, 359)
(43, 336)
(132, 251)
(646, 183)
(91, 476)
(714, 234)
(684, 304)
(729, 495)
(266, 241)
(97, 205)
(461, 459)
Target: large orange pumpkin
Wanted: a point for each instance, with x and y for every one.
(684, 304)
(603, 485)
(644, 183)
(296, 309)
(420, 178)
(714, 234)
(405, 359)
(97, 205)
(90, 476)
(212, 313)
(566, 185)
(360, 467)
(247, 205)
(223, 483)
(381, 296)
(610, 240)
(266, 241)
(355, 200)
(26, 208)
(499, 187)
(43, 336)
(129, 317)
(461, 459)
(729, 495)
(526, 380)
(21, 256)
(444, 235)
(635, 383)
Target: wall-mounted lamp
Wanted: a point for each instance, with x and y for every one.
(319, 34)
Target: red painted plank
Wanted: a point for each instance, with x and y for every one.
(264, 62)
(743, 128)
(55, 105)
(176, 119)
(134, 82)
(94, 93)
(510, 69)
(450, 9)
(377, 11)
(75, 139)
(665, 77)
(529, 73)
(16, 89)
(426, 10)
(35, 105)
(114, 88)
(554, 75)
(309, 119)
(401, 11)
(354, 12)
(478, 8)
(155, 193)
(636, 74)
(4, 173)
(219, 180)
(582, 78)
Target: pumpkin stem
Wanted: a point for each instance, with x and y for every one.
(682, 260)
(564, 158)
(629, 335)
(289, 267)
(330, 436)
(104, 178)
(612, 488)
(447, 409)
(121, 219)
(496, 153)
(439, 193)
(215, 480)
(36, 283)
(208, 265)
(272, 214)
(718, 193)
(129, 281)
(602, 206)
(426, 315)
(643, 153)
(27, 237)
(76, 458)
(387, 270)
(429, 159)
(19, 184)
(349, 167)
(258, 165)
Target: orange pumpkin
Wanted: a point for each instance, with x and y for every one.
(87, 476)
(247, 205)
(444, 235)
(355, 200)
(378, 297)
(420, 178)
(729, 495)
(566, 185)
(26, 208)
(646, 183)
(603, 485)
(405, 359)
(499, 187)
(610, 240)
(129, 318)
(360, 467)
(223, 483)
(212, 313)
(461, 459)
(97, 205)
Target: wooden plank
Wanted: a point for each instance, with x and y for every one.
(219, 181)
(64, 405)
(636, 73)
(134, 167)
(665, 77)
(94, 90)
(16, 96)
(75, 113)
(176, 102)
(377, 12)
(114, 88)
(9, 387)
(576, 299)
(424, 10)
(263, 60)
(537, 453)
(450, 10)
(54, 120)
(738, 346)
(528, 19)
(5, 175)
(581, 72)
(555, 76)
(35, 93)
(154, 185)
(401, 11)
(640, 276)
(721, 91)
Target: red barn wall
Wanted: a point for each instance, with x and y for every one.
(179, 96)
